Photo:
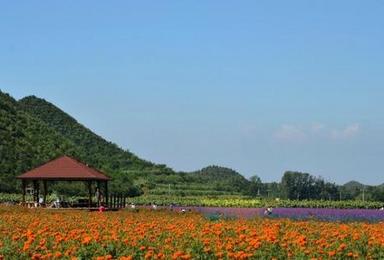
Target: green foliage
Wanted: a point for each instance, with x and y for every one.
(95, 150)
(297, 185)
(248, 202)
(224, 179)
(122, 184)
(25, 142)
(68, 188)
(255, 187)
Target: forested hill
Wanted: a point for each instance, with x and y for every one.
(97, 150)
(34, 131)
(25, 142)
(222, 178)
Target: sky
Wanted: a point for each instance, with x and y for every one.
(258, 86)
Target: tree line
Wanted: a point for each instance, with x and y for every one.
(304, 186)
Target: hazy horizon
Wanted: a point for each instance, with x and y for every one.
(256, 87)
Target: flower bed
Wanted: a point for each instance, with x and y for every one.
(163, 234)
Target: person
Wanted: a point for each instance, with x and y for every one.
(41, 201)
(97, 193)
(98, 196)
(56, 203)
(55, 200)
(268, 211)
(101, 208)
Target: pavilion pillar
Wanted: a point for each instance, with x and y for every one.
(36, 191)
(90, 194)
(24, 186)
(98, 194)
(45, 184)
(106, 193)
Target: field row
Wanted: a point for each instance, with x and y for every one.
(227, 201)
(244, 202)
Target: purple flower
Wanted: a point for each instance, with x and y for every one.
(295, 213)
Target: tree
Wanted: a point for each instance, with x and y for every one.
(255, 186)
(378, 193)
(297, 185)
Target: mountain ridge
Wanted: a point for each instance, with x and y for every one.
(70, 128)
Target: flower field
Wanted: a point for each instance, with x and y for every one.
(60, 234)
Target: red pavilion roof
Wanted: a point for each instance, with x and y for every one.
(64, 168)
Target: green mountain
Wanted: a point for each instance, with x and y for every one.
(95, 150)
(353, 185)
(221, 178)
(25, 142)
(209, 181)
(33, 131)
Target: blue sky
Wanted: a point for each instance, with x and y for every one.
(258, 86)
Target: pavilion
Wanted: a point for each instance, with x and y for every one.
(64, 168)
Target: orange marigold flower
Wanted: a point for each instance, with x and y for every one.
(58, 254)
(219, 254)
(36, 256)
(126, 258)
(342, 246)
(86, 240)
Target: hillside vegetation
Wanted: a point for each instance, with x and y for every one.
(95, 149)
(25, 142)
(34, 131)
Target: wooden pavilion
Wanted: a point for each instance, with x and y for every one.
(64, 168)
